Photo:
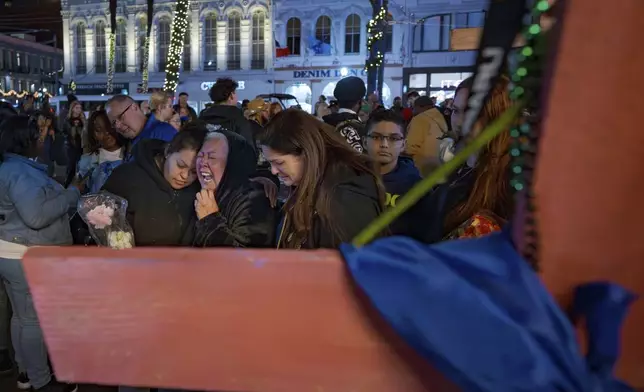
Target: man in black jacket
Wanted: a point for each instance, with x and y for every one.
(349, 92)
(183, 109)
(232, 210)
(224, 113)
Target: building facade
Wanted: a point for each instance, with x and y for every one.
(27, 66)
(284, 46)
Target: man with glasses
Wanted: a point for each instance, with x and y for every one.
(384, 143)
(128, 120)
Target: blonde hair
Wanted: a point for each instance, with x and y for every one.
(158, 99)
(71, 110)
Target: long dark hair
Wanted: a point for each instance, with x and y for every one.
(490, 193)
(324, 152)
(18, 135)
(92, 143)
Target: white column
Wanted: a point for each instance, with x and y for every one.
(337, 37)
(72, 56)
(152, 54)
(67, 45)
(222, 44)
(306, 32)
(245, 43)
(89, 49)
(363, 36)
(131, 42)
(196, 44)
(269, 43)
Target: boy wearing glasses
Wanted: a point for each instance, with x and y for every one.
(384, 143)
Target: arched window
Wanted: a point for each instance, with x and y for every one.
(389, 36)
(99, 41)
(186, 48)
(323, 36)
(163, 41)
(432, 33)
(210, 43)
(81, 55)
(141, 34)
(234, 41)
(120, 52)
(294, 36)
(257, 42)
(352, 34)
(323, 29)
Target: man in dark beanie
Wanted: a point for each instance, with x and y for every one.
(349, 93)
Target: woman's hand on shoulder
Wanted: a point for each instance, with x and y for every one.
(270, 189)
(205, 203)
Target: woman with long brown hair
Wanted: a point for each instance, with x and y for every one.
(475, 200)
(334, 191)
(74, 128)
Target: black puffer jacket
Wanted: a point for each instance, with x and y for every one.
(245, 217)
(158, 214)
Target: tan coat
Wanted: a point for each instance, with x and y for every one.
(423, 141)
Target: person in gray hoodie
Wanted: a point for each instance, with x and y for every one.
(33, 212)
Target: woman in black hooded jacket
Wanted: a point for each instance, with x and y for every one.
(232, 210)
(160, 187)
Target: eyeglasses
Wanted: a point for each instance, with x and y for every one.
(394, 139)
(120, 116)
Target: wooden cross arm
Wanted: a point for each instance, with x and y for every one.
(221, 319)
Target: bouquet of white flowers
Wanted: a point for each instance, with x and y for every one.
(104, 213)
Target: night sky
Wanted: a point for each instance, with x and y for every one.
(32, 14)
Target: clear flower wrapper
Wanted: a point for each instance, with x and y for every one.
(105, 215)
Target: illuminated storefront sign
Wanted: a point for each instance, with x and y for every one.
(205, 86)
(328, 73)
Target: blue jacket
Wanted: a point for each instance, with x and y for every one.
(397, 183)
(154, 129)
(33, 207)
(95, 172)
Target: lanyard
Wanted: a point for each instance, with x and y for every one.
(503, 22)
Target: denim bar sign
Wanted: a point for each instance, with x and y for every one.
(328, 73)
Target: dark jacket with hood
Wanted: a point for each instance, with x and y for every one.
(398, 182)
(230, 118)
(354, 204)
(158, 214)
(443, 199)
(245, 217)
(349, 126)
(193, 114)
(54, 155)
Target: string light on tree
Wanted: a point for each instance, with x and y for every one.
(144, 66)
(376, 33)
(177, 39)
(110, 65)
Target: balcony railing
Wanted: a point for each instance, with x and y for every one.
(257, 64)
(234, 65)
(210, 66)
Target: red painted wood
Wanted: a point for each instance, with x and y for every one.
(227, 319)
(589, 184)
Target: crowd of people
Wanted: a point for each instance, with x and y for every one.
(258, 175)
